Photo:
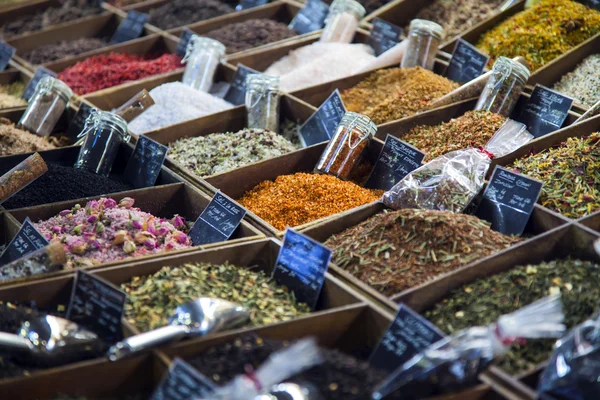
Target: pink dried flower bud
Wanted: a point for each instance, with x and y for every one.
(151, 229)
(56, 229)
(64, 213)
(178, 222)
(150, 244)
(180, 237)
(136, 224)
(92, 219)
(129, 247)
(162, 231)
(89, 236)
(96, 244)
(110, 203)
(78, 247)
(127, 202)
(140, 238)
(120, 237)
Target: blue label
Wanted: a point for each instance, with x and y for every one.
(184, 39)
(131, 28)
(40, 72)
(310, 18)
(236, 94)
(396, 160)
(321, 126)
(183, 382)
(467, 62)
(145, 163)
(218, 221)
(26, 241)
(6, 53)
(384, 36)
(545, 111)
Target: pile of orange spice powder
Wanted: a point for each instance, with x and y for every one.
(293, 200)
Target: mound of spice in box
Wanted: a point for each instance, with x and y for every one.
(152, 298)
(396, 250)
(184, 12)
(483, 301)
(296, 199)
(394, 93)
(583, 84)
(221, 152)
(252, 33)
(15, 141)
(541, 33)
(10, 95)
(108, 70)
(103, 231)
(571, 175)
(63, 49)
(67, 10)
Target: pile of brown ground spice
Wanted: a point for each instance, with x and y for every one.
(396, 250)
(10, 95)
(390, 94)
(293, 200)
(474, 128)
(14, 141)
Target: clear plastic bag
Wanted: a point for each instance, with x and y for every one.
(456, 361)
(451, 181)
(574, 368)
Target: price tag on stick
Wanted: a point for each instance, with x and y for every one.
(247, 4)
(26, 241)
(467, 62)
(384, 36)
(132, 27)
(509, 200)
(301, 266)
(545, 111)
(183, 382)
(236, 94)
(408, 335)
(184, 39)
(40, 72)
(97, 305)
(145, 163)
(78, 122)
(218, 221)
(396, 160)
(321, 126)
(6, 53)
(311, 17)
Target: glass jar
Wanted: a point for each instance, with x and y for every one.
(424, 38)
(131, 109)
(202, 56)
(347, 146)
(503, 88)
(262, 102)
(103, 134)
(342, 21)
(46, 106)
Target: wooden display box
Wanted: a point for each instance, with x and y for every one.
(14, 73)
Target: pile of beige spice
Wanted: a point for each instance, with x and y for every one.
(10, 95)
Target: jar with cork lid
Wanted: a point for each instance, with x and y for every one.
(424, 38)
(262, 102)
(202, 56)
(342, 21)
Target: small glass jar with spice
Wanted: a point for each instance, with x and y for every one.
(347, 146)
(202, 56)
(424, 37)
(503, 88)
(46, 106)
(103, 133)
(342, 21)
(262, 102)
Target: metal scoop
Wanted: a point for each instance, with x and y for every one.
(51, 340)
(196, 318)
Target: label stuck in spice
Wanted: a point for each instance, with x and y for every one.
(301, 266)
(311, 17)
(6, 53)
(545, 111)
(384, 36)
(595, 4)
(396, 160)
(183, 382)
(247, 4)
(78, 122)
(321, 126)
(467, 62)
(130, 28)
(218, 221)
(236, 94)
(40, 72)
(184, 39)
(97, 305)
(408, 335)
(26, 241)
(145, 163)
(509, 200)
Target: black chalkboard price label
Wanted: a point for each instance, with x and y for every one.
(591, 3)
(236, 94)
(130, 28)
(467, 62)
(301, 266)
(184, 39)
(508, 201)
(78, 122)
(40, 72)
(310, 18)
(384, 36)
(26, 241)
(396, 160)
(97, 305)
(321, 126)
(218, 221)
(6, 53)
(247, 4)
(408, 335)
(145, 163)
(183, 382)
(545, 111)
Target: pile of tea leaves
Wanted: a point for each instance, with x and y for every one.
(395, 250)
(482, 302)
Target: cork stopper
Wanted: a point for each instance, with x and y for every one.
(56, 253)
(22, 175)
(135, 106)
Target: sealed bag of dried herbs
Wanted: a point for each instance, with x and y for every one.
(449, 182)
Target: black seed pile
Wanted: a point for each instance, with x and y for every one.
(184, 12)
(63, 183)
(252, 33)
(63, 49)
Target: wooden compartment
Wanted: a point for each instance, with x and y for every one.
(14, 73)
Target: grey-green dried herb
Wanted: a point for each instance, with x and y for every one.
(482, 302)
(583, 83)
(152, 299)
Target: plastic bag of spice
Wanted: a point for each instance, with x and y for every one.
(451, 181)
(455, 362)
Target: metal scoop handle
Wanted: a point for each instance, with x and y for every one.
(12, 342)
(147, 340)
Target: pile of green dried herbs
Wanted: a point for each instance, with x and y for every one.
(396, 250)
(482, 302)
(153, 298)
(474, 128)
(571, 175)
